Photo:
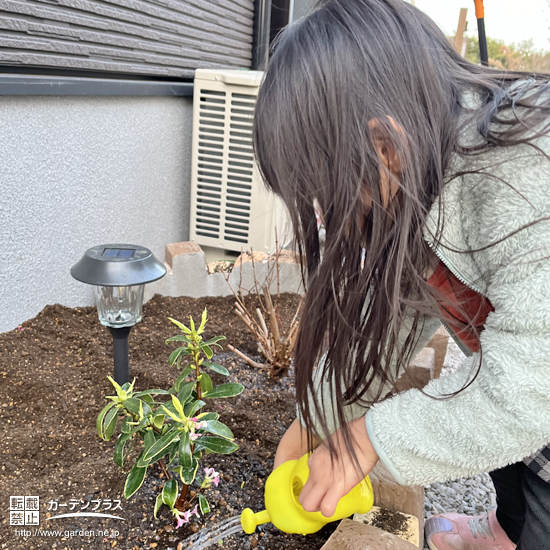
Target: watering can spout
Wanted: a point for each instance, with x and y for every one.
(250, 520)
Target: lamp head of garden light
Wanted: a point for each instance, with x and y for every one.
(118, 273)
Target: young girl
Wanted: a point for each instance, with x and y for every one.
(432, 178)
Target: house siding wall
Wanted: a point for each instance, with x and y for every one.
(80, 171)
(169, 38)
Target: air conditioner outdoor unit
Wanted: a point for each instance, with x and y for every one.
(231, 208)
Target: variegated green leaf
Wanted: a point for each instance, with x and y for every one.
(170, 492)
(179, 338)
(137, 406)
(185, 391)
(177, 405)
(180, 325)
(208, 416)
(150, 392)
(158, 504)
(226, 390)
(158, 420)
(203, 503)
(216, 368)
(186, 460)
(126, 426)
(100, 418)
(214, 341)
(177, 354)
(206, 383)
(134, 480)
(162, 444)
(179, 380)
(149, 440)
(120, 447)
(217, 428)
(204, 319)
(192, 407)
(215, 444)
(110, 423)
(188, 474)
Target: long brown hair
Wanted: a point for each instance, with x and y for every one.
(350, 62)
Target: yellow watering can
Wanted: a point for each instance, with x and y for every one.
(283, 509)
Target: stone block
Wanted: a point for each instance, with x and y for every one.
(173, 250)
(389, 494)
(439, 344)
(352, 535)
(188, 274)
(419, 372)
(260, 268)
(256, 257)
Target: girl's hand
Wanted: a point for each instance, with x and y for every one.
(293, 444)
(329, 482)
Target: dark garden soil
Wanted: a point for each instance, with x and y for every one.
(53, 371)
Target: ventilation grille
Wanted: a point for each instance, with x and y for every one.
(225, 166)
(230, 205)
(240, 168)
(210, 163)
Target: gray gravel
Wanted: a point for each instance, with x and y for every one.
(471, 496)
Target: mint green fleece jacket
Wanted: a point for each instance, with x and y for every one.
(504, 415)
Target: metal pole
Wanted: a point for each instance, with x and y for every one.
(480, 15)
(262, 30)
(120, 354)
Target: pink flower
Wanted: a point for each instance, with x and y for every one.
(211, 476)
(20, 328)
(184, 517)
(199, 425)
(193, 436)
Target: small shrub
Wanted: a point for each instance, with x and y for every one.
(174, 433)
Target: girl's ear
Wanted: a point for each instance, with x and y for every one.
(390, 154)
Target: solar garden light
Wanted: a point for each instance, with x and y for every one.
(119, 273)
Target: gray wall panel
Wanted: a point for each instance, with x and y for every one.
(76, 172)
(155, 37)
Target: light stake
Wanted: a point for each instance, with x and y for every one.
(119, 273)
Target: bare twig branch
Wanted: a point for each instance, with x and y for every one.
(277, 264)
(292, 343)
(272, 316)
(245, 358)
(275, 343)
(295, 318)
(262, 322)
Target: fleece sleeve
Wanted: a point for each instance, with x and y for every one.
(504, 415)
(324, 388)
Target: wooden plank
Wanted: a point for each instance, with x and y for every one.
(352, 535)
(461, 29)
(389, 494)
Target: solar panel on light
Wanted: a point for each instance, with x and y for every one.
(118, 253)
